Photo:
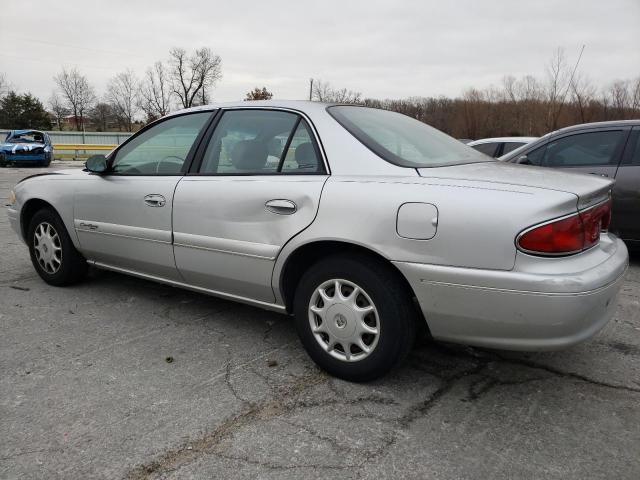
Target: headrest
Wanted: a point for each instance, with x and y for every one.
(249, 155)
(306, 156)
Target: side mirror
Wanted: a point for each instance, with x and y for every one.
(96, 164)
(523, 160)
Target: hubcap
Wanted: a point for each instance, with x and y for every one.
(344, 320)
(47, 247)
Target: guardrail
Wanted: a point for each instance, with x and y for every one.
(80, 150)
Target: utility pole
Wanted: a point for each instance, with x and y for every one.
(310, 89)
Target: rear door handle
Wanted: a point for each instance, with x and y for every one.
(155, 200)
(281, 206)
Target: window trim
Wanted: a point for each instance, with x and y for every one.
(196, 164)
(113, 155)
(632, 145)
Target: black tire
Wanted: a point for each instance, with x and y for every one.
(72, 266)
(396, 314)
(46, 163)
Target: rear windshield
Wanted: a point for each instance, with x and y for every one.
(402, 140)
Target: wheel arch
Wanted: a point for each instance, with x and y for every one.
(29, 209)
(304, 256)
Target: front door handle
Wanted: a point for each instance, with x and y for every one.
(281, 206)
(601, 174)
(155, 200)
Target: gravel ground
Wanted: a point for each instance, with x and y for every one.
(123, 378)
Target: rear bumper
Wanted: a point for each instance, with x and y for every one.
(542, 304)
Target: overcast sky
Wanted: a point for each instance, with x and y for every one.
(384, 49)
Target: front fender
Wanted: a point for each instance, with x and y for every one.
(53, 190)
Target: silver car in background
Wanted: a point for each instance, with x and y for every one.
(360, 222)
(499, 146)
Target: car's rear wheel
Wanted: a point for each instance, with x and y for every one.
(52, 252)
(354, 316)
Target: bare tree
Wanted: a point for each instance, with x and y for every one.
(323, 92)
(557, 83)
(76, 92)
(192, 75)
(58, 108)
(5, 86)
(155, 92)
(583, 94)
(258, 94)
(102, 116)
(620, 98)
(122, 96)
(635, 94)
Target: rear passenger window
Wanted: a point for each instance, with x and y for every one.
(260, 142)
(301, 156)
(585, 149)
(486, 148)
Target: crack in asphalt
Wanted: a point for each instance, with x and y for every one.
(173, 459)
(286, 400)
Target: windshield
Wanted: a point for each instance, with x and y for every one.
(26, 137)
(402, 140)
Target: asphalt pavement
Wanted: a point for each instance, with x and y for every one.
(123, 378)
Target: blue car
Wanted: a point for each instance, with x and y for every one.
(26, 146)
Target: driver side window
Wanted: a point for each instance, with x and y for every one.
(161, 150)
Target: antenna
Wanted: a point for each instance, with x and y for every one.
(575, 68)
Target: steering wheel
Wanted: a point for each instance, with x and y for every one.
(179, 162)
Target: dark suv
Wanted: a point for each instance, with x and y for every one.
(610, 149)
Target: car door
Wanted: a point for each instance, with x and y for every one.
(123, 218)
(626, 192)
(596, 151)
(257, 185)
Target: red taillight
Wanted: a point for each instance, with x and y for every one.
(568, 235)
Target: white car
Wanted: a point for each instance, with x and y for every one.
(360, 222)
(496, 147)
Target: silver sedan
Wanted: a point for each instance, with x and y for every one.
(362, 223)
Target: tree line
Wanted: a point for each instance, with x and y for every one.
(525, 106)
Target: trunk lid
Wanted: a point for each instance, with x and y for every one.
(590, 189)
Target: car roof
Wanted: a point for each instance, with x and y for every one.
(302, 105)
(608, 124)
(502, 139)
(23, 132)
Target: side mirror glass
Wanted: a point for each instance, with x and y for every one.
(96, 164)
(523, 160)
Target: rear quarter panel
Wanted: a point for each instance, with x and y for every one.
(477, 223)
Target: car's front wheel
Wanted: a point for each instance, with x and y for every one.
(52, 252)
(354, 316)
